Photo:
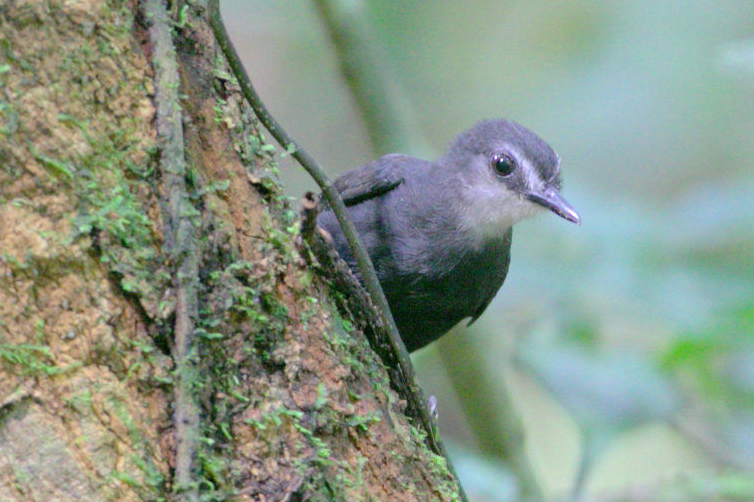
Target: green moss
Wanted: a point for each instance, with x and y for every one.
(219, 109)
(56, 168)
(10, 121)
(154, 481)
(80, 400)
(363, 422)
(32, 360)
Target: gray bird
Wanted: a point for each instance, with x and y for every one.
(439, 233)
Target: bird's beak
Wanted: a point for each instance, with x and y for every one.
(552, 200)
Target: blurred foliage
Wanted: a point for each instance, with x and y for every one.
(627, 344)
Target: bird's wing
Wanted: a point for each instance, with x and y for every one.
(372, 180)
(497, 281)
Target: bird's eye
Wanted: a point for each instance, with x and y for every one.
(503, 164)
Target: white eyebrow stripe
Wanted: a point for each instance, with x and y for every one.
(531, 174)
(533, 179)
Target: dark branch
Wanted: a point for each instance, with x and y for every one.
(181, 246)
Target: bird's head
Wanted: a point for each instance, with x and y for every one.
(504, 173)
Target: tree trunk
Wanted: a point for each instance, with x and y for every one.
(162, 335)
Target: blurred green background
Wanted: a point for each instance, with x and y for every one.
(625, 346)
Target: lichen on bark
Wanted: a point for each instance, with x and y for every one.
(291, 401)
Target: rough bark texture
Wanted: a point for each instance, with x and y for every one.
(293, 403)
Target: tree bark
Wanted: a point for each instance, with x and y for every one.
(163, 334)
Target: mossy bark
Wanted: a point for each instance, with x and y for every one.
(292, 403)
